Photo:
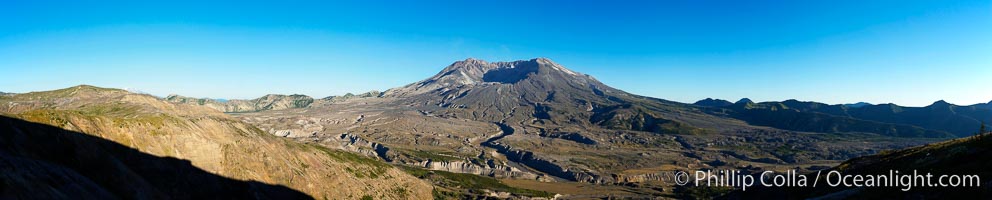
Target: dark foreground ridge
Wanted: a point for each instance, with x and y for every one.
(45, 162)
(963, 156)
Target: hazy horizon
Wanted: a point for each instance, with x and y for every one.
(910, 53)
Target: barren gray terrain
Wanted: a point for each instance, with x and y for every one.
(537, 120)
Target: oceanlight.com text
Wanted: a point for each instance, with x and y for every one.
(905, 181)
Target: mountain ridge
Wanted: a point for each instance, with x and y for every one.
(939, 116)
(267, 102)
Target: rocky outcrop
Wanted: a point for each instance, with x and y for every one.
(301, 128)
(640, 178)
(267, 102)
(369, 94)
(492, 169)
(353, 143)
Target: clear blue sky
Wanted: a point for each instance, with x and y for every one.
(906, 52)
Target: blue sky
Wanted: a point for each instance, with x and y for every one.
(905, 52)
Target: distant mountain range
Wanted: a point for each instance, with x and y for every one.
(267, 102)
(858, 104)
(465, 83)
(940, 119)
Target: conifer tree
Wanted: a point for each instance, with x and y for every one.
(982, 129)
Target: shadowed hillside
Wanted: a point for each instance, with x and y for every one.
(965, 156)
(42, 161)
(203, 138)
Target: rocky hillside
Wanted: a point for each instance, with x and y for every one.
(86, 141)
(536, 120)
(940, 119)
(267, 102)
(346, 97)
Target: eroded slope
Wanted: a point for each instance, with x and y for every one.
(209, 140)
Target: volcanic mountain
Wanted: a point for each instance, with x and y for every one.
(537, 120)
(539, 91)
